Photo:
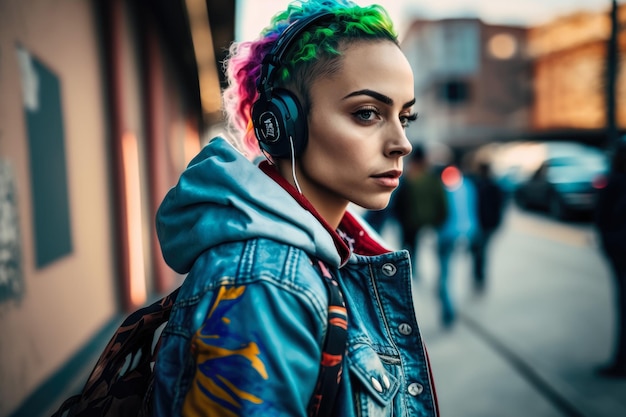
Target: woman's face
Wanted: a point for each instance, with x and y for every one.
(357, 134)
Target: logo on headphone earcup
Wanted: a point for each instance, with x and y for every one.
(278, 119)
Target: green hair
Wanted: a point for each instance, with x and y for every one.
(318, 49)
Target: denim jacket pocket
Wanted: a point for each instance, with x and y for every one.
(375, 382)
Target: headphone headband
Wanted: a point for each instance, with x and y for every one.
(274, 59)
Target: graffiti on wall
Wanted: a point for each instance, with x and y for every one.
(11, 280)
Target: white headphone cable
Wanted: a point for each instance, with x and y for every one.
(293, 165)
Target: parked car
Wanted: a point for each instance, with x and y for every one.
(565, 185)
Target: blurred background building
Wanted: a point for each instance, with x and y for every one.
(472, 81)
(570, 68)
(102, 105)
(104, 102)
(478, 83)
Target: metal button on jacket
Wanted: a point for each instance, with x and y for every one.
(415, 389)
(405, 329)
(389, 269)
(386, 381)
(376, 385)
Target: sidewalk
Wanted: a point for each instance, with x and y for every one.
(528, 346)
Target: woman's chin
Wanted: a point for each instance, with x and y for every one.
(376, 204)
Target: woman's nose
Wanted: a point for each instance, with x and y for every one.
(399, 144)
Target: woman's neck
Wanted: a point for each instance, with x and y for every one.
(327, 205)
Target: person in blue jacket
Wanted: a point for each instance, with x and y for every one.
(459, 229)
(327, 93)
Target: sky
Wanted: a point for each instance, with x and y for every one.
(253, 15)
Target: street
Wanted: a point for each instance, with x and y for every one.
(529, 344)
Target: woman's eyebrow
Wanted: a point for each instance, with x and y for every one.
(408, 104)
(378, 96)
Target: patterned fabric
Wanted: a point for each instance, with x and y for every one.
(334, 349)
(121, 382)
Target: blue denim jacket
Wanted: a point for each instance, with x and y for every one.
(245, 335)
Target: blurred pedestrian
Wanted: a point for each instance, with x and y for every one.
(610, 221)
(490, 203)
(419, 201)
(458, 230)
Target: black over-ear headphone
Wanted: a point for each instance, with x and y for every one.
(277, 114)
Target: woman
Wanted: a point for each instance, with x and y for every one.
(328, 99)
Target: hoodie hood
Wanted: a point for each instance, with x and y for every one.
(223, 197)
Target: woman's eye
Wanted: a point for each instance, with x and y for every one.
(366, 115)
(407, 119)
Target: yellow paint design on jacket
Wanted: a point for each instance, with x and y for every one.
(213, 391)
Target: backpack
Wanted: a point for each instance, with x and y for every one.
(121, 382)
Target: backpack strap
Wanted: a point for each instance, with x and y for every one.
(327, 386)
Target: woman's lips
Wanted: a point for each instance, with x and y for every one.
(389, 178)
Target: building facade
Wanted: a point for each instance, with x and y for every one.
(472, 81)
(569, 58)
(479, 83)
(102, 105)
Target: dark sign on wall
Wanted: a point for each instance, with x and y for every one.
(48, 173)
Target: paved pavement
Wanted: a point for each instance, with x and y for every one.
(528, 346)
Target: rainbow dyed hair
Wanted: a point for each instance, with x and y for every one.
(316, 52)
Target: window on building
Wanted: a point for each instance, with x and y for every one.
(454, 91)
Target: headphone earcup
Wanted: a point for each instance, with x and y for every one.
(278, 119)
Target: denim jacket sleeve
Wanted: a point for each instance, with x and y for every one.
(256, 341)
(246, 346)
